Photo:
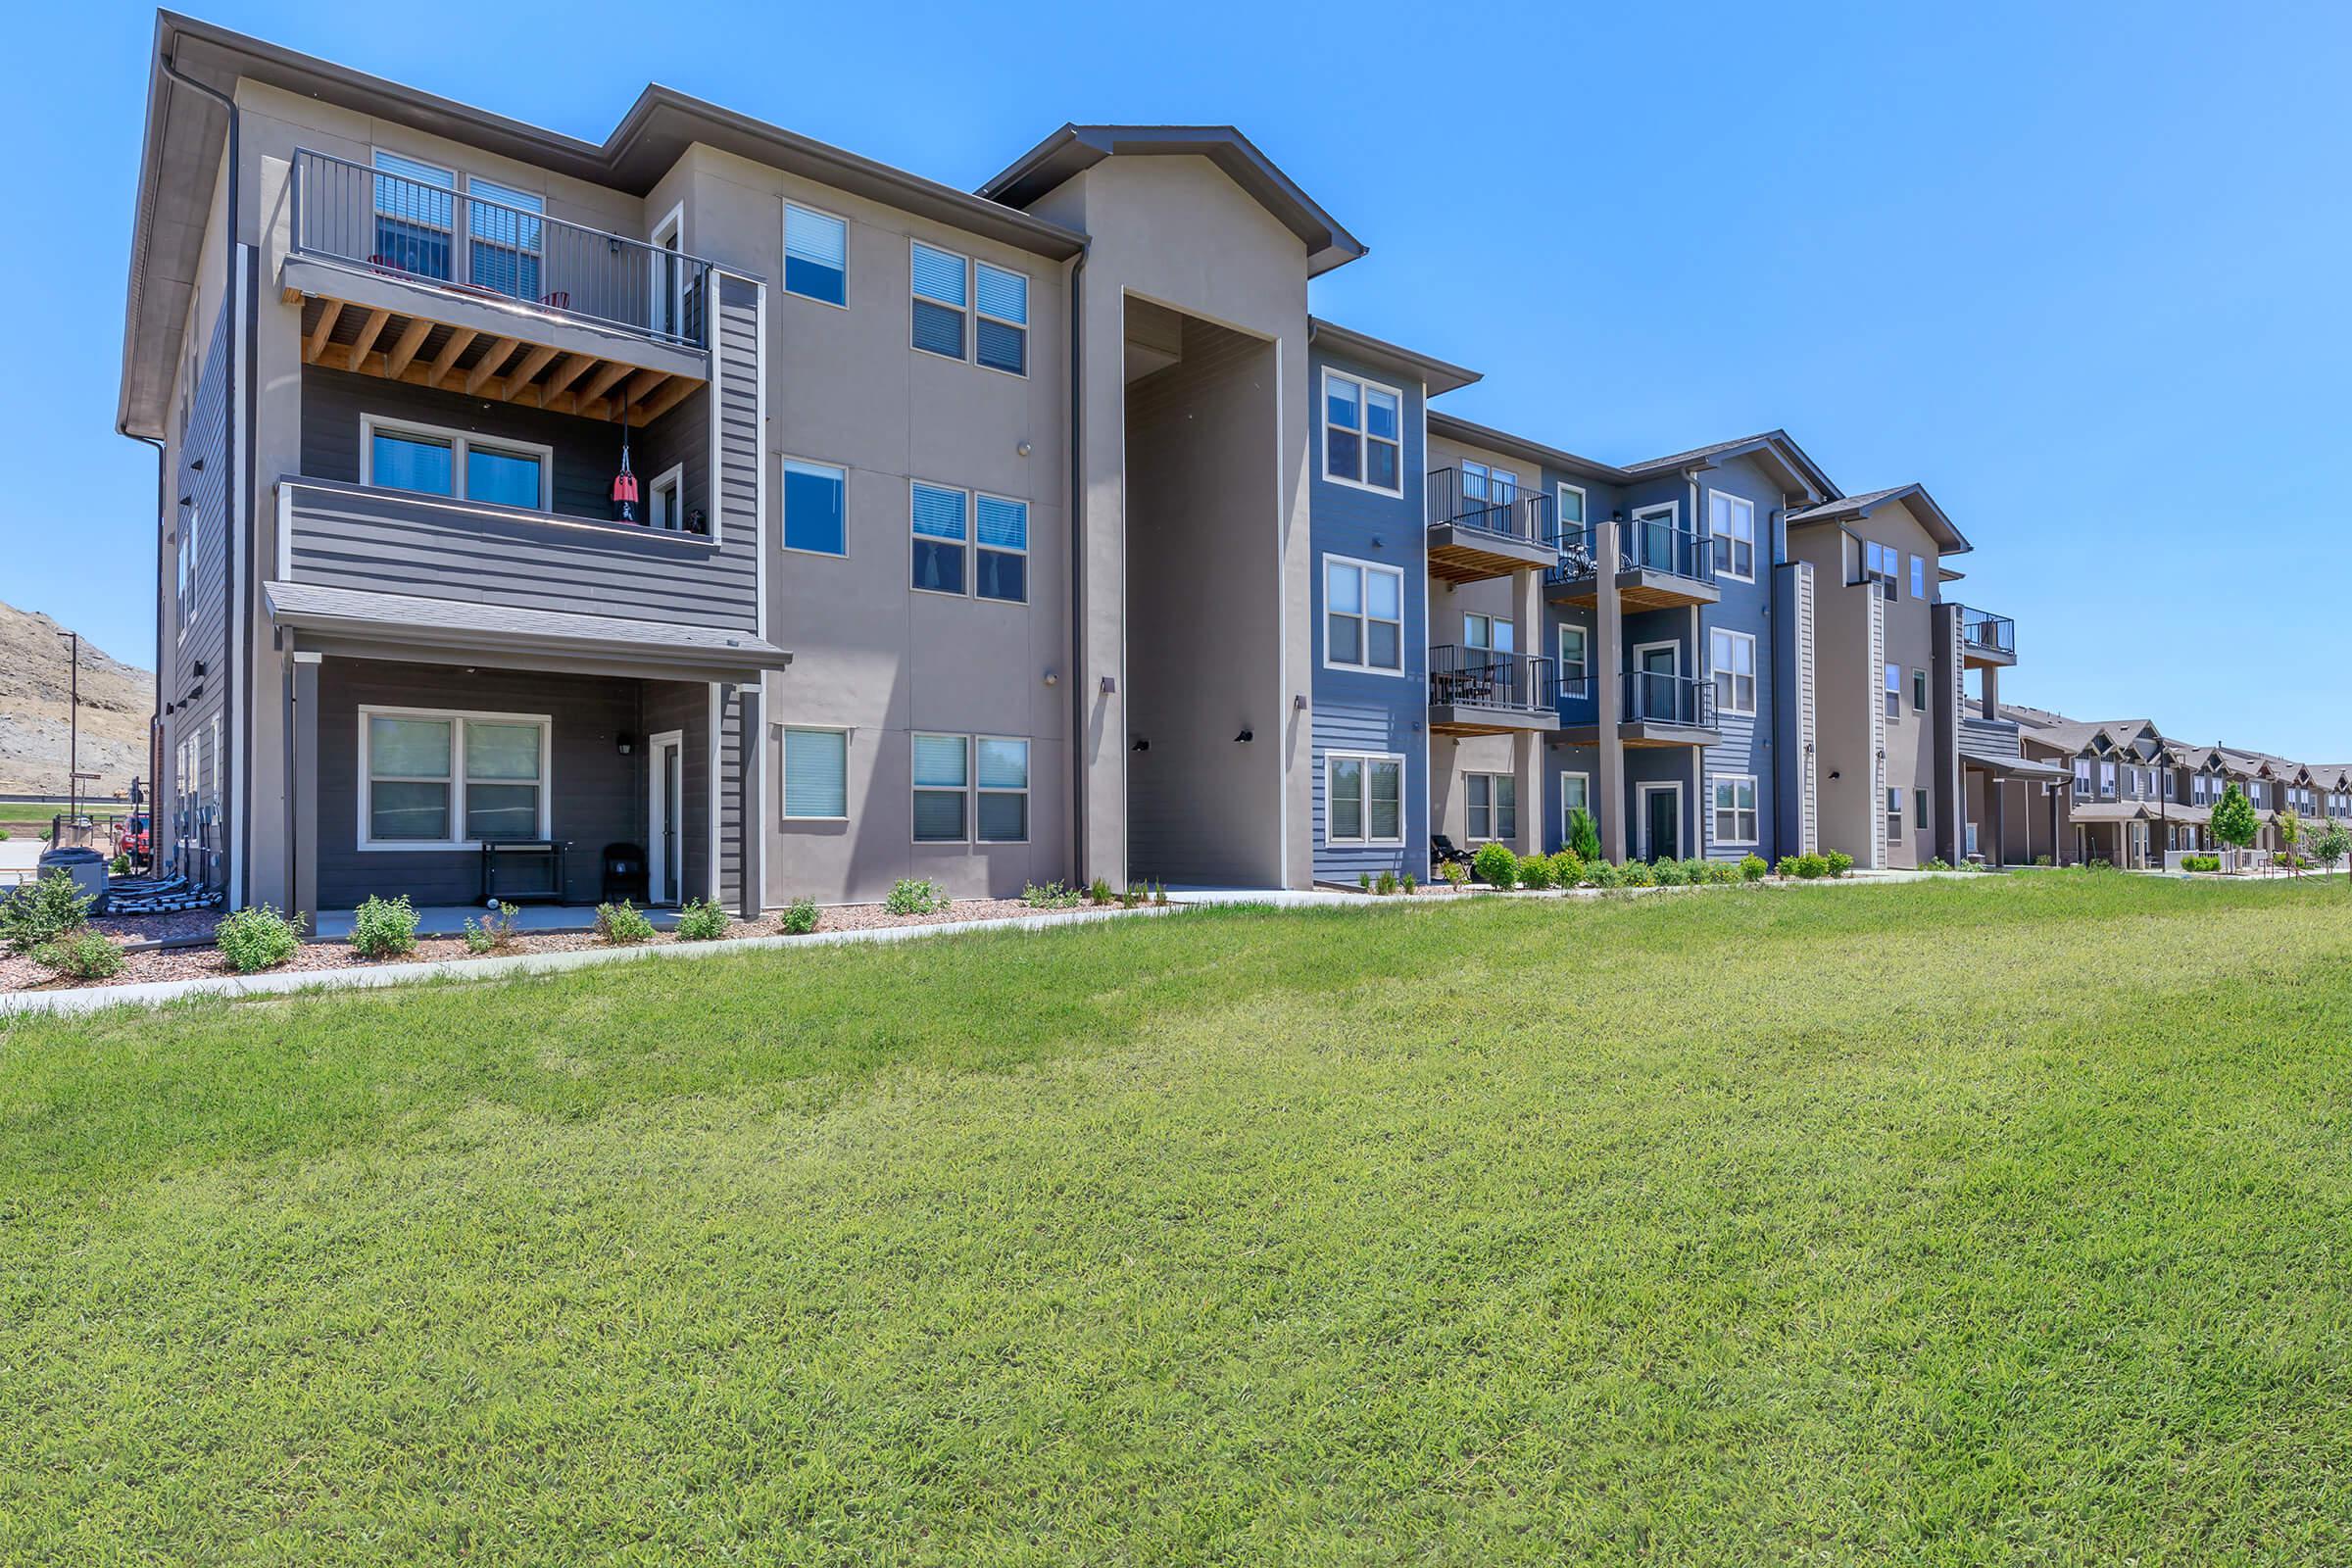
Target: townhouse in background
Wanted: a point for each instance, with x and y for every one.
(1029, 535)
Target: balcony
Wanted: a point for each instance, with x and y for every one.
(1476, 530)
(413, 281)
(1660, 565)
(1478, 691)
(1658, 710)
(1987, 640)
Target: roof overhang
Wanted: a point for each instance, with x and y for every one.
(1455, 428)
(1913, 498)
(1074, 149)
(1436, 375)
(1796, 472)
(2019, 767)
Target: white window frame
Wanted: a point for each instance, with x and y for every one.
(1729, 638)
(1754, 811)
(1671, 511)
(1732, 506)
(1919, 690)
(844, 301)
(1568, 807)
(784, 734)
(461, 444)
(1364, 618)
(1891, 693)
(971, 770)
(1894, 812)
(1919, 577)
(1028, 748)
(1365, 760)
(1584, 507)
(972, 525)
(1490, 837)
(672, 478)
(966, 357)
(1584, 660)
(1362, 432)
(1508, 622)
(667, 242)
(1643, 791)
(979, 315)
(458, 718)
(784, 517)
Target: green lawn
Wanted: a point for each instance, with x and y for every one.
(1962, 1222)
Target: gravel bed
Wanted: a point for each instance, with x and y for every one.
(21, 973)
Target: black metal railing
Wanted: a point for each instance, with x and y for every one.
(418, 229)
(1990, 633)
(1660, 544)
(1483, 677)
(1652, 697)
(1476, 501)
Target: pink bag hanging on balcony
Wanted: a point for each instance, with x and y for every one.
(624, 483)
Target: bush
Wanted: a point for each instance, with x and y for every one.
(2101, 864)
(1159, 893)
(1753, 868)
(2042, 861)
(1602, 874)
(1535, 873)
(1670, 874)
(119, 865)
(1100, 892)
(908, 896)
(1567, 868)
(383, 928)
(1638, 874)
(1387, 883)
(1807, 867)
(2200, 862)
(1582, 836)
(40, 912)
(1410, 885)
(1495, 866)
(800, 918)
(492, 932)
(1939, 863)
(1455, 873)
(257, 937)
(1722, 873)
(80, 955)
(1363, 880)
(701, 920)
(623, 924)
(1838, 862)
(1052, 896)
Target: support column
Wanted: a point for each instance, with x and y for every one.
(1527, 747)
(1608, 702)
(750, 820)
(1996, 813)
(302, 790)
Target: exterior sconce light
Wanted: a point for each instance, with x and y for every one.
(1244, 736)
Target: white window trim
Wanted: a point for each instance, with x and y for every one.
(1365, 840)
(1559, 651)
(1584, 505)
(675, 474)
(674, 222)
(784, 812)
(1673, 644)
(1363, 432)
(783, 521)
(1029, 776)
(972, 771)
(1565, 809)
(1754, 672)
(1366, 616)
(1028, 292)
(461, 444)
(973, 522)
(458, 718)
(1715, 811)
(1919, 688)
(1738, 501)
(1469, 837)
(970, 527)
(1641, 793)
(1492, 620)
(786, 233)
(969, 345)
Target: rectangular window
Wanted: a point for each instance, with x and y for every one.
(816, 255)
(1575, 659)
(816, 507)
(942, 779)
(398, 456)
(1002, 338)
(816, 774)
(415, 219)
(502, 228)
(939, 538)
(505, 478)
(1000, 562)
(449, 780)
(2082, 778)
(1492, 805)
(402, 461)
(1894, 691)
(1364, 798)
(939, 297)
(1732, 657)
(2107, 781)
(1493, 633)
(1363, 433)
(1576, 795)
(1572, 512)
(1735, 808)
(1919, 810)
(1884, 564)
(1919, 691)
(1732, 520)
(1919, 577)
(1363, 616)
(1895, 810)
(666, 500)
(1000, 805)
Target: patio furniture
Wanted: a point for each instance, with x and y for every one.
(523, 870)
(626, 873)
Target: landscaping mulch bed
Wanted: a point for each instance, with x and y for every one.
(20, 973)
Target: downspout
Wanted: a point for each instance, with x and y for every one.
(233, 592)
(155, 719)
(1078, 824)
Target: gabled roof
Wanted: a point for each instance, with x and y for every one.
(1913, 497)
(1074, 149)
(1455, 428)
(1436, 375)
(2032, 717)
(1778, 444)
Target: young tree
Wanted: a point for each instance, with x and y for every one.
(2290, 835)
(2233, 820)
(1583, 836)
(2331, 844)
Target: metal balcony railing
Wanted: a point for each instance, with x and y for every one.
(1483, 677)
(420, 230)
(1993, 634)
(1659, 698)
(1477, 501)
(1660, 544)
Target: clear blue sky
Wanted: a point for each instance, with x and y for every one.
(2079, 270)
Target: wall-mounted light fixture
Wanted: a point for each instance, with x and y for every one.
(1110, 684)
(1139, 745)
(625, 743)
(1244, 736)
(1052, 679)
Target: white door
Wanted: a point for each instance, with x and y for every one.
(665, 839)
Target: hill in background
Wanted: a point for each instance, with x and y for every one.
(116, 700)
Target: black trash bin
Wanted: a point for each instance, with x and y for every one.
(625, 872)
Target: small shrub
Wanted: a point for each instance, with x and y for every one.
(1804, 867)
(1602, 874)
(701, 920)
(383, 928)
(1410, 885)
(2101, 864)
(1535, 873)
(1099, 893)
(1699, 871)
(1363, 880)
(1582, 836)
(1638, 874)
(257, 937)
(1495, 866)
(1669, 874)
(1567, 868)
(1455, 873)
(909, 895)
(119, 865)
(799, 917)
(1052, 896)
(1837, 862)
(1753, 868)
(1939, 863)
(2042, 861)
(40, 912)
(1387, 885)
(80, 955)
(493, 932)
(623, 924)
(2200, 862)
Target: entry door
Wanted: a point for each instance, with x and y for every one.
(1660, 681)
(1662, 811)
(665, 796)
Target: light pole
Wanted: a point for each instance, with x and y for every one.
(73, 727)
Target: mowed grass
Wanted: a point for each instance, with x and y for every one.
(1991, 1222)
